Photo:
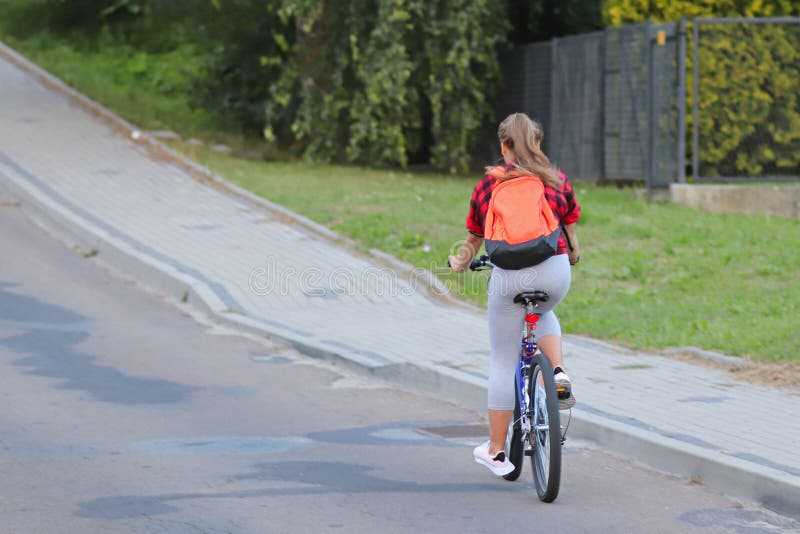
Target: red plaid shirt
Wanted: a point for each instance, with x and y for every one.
(563, 204)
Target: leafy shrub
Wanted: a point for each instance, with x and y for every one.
(76, 17)
(749, 107)
(387, 81)
(244, 39)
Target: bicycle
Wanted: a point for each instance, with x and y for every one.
(536, 417)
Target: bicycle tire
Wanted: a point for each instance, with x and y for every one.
(546, 430)
(514, 445)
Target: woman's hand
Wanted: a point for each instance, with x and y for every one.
(458, 263)
(469, 248)
(572, 240)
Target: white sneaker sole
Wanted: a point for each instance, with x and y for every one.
(569, 402)
(499, 471)
(566, 404)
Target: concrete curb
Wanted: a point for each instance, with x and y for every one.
(746, 199)
(772, 488)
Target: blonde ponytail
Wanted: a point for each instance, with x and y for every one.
(522, 136)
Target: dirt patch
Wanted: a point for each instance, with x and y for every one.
(770, 374)
(779, 375)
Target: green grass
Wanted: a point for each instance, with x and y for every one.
(149, 89)
(652, 275)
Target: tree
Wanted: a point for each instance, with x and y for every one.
(541, 20)
(616, 12)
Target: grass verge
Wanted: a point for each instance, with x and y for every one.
(148, 89)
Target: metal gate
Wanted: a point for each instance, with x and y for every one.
(643, 103)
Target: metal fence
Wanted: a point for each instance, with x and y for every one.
(577, 105)
(526, 71)
(746, 105)
(613, 103)
(607, 101)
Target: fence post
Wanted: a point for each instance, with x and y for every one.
(695, 101)
(651, 104)
(681, 95)
(602, 172)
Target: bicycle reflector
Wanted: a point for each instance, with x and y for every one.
(531, 318)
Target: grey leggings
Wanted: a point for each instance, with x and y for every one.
(506, 319)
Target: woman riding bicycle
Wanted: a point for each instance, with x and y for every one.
(520, 143)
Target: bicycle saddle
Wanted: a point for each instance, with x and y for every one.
(532, 297)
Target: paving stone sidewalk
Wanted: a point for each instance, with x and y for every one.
(148, 216)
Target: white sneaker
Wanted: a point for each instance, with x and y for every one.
(566, 399)
(499, 464)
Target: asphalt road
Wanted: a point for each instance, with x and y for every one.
(125, 412)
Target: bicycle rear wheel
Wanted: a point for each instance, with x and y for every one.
(545, 430)
(514, 444)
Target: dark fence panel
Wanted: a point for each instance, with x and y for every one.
(526, 76)
(626, 102)
(608, 101)
(576, 127)
(538, 83)
(514, 82)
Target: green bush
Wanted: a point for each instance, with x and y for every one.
(244, 38)
(749, 108)
(80, 19)
(387, 81)
(617, 12)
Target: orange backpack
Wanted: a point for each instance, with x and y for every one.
(520, 229)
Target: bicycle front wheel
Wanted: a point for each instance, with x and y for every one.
(545, 430)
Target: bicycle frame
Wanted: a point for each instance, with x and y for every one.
(528, 348)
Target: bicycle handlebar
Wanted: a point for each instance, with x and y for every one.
(481, 264)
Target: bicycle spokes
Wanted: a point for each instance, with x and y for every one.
(545, 431)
